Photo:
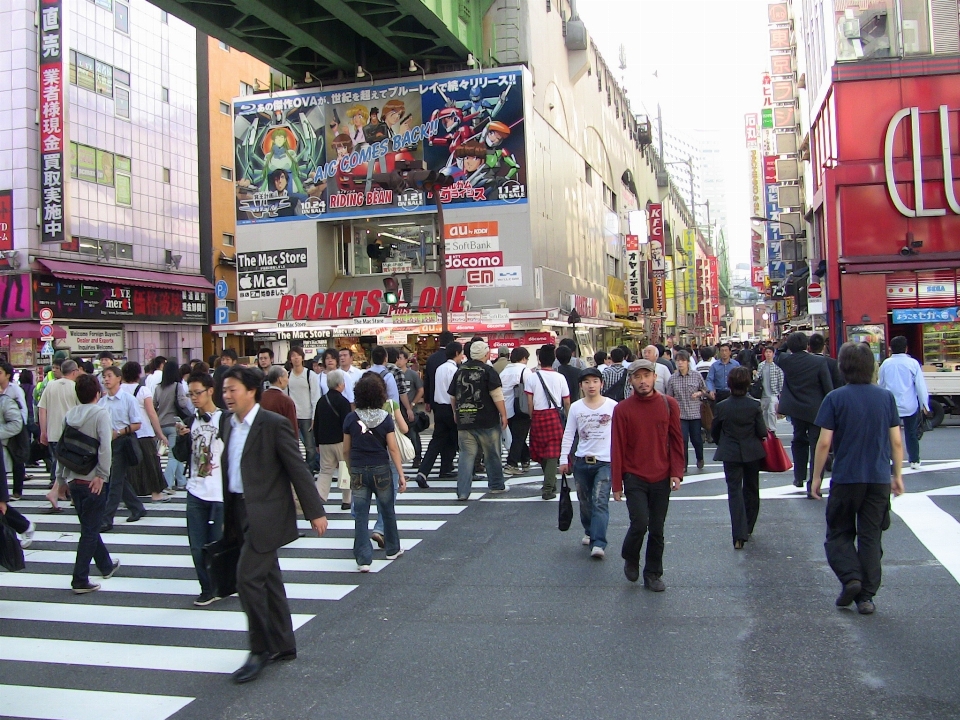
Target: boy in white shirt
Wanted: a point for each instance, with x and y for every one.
(592, 418)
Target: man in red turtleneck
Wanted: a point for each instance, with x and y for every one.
(647, 461)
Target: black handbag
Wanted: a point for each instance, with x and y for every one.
(11, 554)
(565, 514)
(220, 558)
(77, 451)
(422, 422)
(130, 448)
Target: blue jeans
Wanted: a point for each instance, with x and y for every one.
(910, 425)
(472, 442)
(593, 493)
(90, 511)
(692, 432)
(204, 525)
(365, 482)
(378, 526)
(173, 473)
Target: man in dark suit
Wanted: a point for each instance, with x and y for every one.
(261, 459)
(817, 345)
(429, 388)
(806, 381)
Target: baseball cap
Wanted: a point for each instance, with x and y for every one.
(641, 365)
(590, 372)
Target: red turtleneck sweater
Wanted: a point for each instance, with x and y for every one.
(642, 433)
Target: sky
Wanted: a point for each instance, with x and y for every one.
(708, 56)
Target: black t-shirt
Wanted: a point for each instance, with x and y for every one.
(332, 411)
(572, 376)
(471, 387)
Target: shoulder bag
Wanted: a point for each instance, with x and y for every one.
(403, 444)
(560, 412)
(521, 403)
(77, 450)
(11, 554)
(776, 460)
(19, 445)
(565, 513)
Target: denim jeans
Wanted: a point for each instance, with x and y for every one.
(910, 425)
(306, 434)
(485, 441)
(692, 433)
(204, 525)
(367, 481)
(378, 525)
(90, 511)
(593, 493)
(173, 473)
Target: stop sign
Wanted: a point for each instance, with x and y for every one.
(814, 290)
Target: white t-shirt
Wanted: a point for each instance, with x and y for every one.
(206, 480)
(595, 428)
(510, 379)
(555, 382)
(142, 396)
(663, 375)
(152, 380)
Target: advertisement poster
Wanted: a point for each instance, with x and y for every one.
(690, 277)
(77, 300)
(15, 296)
(634, 296)
(336, 153)
(51, 122)
(264, 274)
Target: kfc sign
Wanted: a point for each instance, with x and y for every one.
(918, 210)
(360, 303)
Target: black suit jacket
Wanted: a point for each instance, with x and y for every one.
(430, 374)
(271, 462)
(738, 428)
(834, 367)
(806, 381)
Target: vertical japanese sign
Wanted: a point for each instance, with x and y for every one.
(6, 219)
(756, 276)
(51, 122)
(634, 298)
(658, 262)
(751, 128)
(714, 289)
(690, 275)
(756, 182)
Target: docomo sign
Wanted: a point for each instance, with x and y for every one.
(357, 303)
(473, 260)
(919, 210)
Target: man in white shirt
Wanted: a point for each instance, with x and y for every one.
(903, 376)
(350, 373)
(445, 435)
(513, 379)
(591, 419)
(58, 397)
(304, 389)
(651, 353)
(547, 392)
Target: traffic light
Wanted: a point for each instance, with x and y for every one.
(390, 287)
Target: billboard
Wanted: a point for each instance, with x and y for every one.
(52, 202)
(82, 300)
(316, 155)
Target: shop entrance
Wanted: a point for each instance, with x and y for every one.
(388, 246)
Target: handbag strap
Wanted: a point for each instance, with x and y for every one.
(549, 396)
(327, 398)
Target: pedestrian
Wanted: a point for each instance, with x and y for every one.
(13, 391)
(275, 398)
(351, 374)
(570, 372)
(861, 421)
(444, 440)
(304, 389)
(738, 429)
(503, 359)
(771, 380)
(332, 411)
(265, 360)
(686, 386)
(392, 408)
(662, 369)
(403, 389)
(228, 358)
(747, 358)
(576, 362)
(105, 360)
(173, 406)
(261, 461)
(204, 480)
(154, 373)
(415, 397)
(89, 490)
(57, 397)
(902, 375)
(817, 347)
(549, 400)
(718, 373)
(11, 421)
(517, 404)
(591, 420)
(370, 443)
(615, 376)
(125, 421)
(646, 466)
(601, 359)
(146, 477)
(476, 396)
(806, 381)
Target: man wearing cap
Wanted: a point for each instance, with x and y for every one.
(476, 396)
(591, 419)
(647, 463)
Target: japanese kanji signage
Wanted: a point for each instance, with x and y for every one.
(53, 207)
(751, 128)
(6, 219)
(634, 296)
(658, 263)
(81, 300)
(714, 289)
(307, 155)
(690, 278)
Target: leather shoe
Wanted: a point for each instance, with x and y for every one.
(849, 593)
(631, 570)
(136, 516)
(654, 583)
(797, 483)
(106, 527)
(251, 668)
(284, 655)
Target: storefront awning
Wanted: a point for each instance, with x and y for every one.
(128, 276)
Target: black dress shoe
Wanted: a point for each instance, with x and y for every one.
(797, 483)
(654, 583)
(251, 668)
(849, 593)
(283, 655)
(449, 474)
(106, 527)
(136, 516)
(631, 570)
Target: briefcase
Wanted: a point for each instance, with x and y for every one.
(220, 558)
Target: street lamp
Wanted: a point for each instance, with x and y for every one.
(760, 219)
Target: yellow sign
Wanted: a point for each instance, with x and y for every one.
(689, 277)
(616, 296)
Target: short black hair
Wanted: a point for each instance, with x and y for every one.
(268, 351)
(250, 378)
(453, 349)
(546, 355)
(26, 377)
(113, 370)
(898, 345)
(130, 372)
(446, 337)
(331, 352)
(817, 343)
(564, 355)
(519, 354)
(797, 342)
(88, 367)
(378, 354)
(600, 357)
(856, 363)
(296, 350)
(739, 381)
(87, 388)
(617, 355)
(707, 352)
(683, 355)
(7, 368)
(392, 354)
(229, 353)
(185, 370)
(370, 392)
(567, 342)
(203, 378)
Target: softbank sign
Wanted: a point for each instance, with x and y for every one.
(918, 209)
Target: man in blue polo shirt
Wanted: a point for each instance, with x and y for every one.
(718, 374)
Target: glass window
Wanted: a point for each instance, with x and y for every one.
(124, 250)
(86, 72)
(73, 67)
(231, 306)
(224, 107)
(588, 171)
(915, 27)
(165, 175)
(122, 184)
(121, 102)
(104, 168)
(121, 17)
(89, 246)
(224, 46)
(122, 164)
(164, 17)
(122, 77)
(228, 239)
(105, 4)
(867, 32)
(73, 159)
(378, 246)
(165, 94)
(86, 163)
(104, 79)
(246, 89)
(226, 173)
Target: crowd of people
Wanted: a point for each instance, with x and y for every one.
(622, 426)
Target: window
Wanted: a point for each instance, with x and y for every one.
(223, 46)
(246, 89)
(73, 67)
(588, 171)
(104, 168)
(86, 72)
(121, 95)
(226, 173)
(376, 246)
(231, 306)
(225, 108)
(165, 175)
(121, 17)
(228, 239)
(73, 159)
(164, 17)
(104, 79)
(165, 94)
(105, 4)
(122, 180)
(867, 32)
(916, 27)
(86, 163)
(124, 251)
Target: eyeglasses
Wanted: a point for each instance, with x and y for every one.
(197, 393)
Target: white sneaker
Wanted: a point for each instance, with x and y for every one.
(597, 552)
(26, 540)
(364, 568)
(915, 466)
(585, 540)
(397, 554)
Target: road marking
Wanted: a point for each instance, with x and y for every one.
(44, 703)
(401, 509)
(936, 529)
(177, 522)
(134, 616)
(145, 540)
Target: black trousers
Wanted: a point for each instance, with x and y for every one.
(120, 488)
(647, 505)
(262, 595)
(444, 441)
(519, 449)
(743, 496)
(17, 522)
(855, 521)
(805, 437)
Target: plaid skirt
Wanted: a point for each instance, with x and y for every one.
(546, 435)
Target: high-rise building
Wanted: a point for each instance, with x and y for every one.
(702, 149)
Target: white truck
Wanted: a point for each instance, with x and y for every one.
(944, 389)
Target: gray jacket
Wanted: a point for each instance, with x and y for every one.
(11, 422)
(164, 400)
(92, 420)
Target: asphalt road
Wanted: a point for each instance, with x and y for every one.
(494, 613)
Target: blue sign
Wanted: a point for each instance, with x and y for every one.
(222, 316)
(773, 212)
(46, 330)
(778, 270)
(221, 289)
(924, 315)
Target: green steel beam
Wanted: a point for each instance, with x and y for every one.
(353, 20)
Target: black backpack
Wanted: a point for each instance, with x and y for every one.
(615, 391)
(19, 445)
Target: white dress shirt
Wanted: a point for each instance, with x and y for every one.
(442, 382)
(902, 375)
(238, 439)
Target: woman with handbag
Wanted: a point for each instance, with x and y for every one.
(738, 429)
(332, 410)
(172, 405)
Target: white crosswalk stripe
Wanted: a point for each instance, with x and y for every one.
(154, 589)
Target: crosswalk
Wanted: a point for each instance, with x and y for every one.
(149, 600)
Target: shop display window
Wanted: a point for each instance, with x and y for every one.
(387, 246)
(941, 343)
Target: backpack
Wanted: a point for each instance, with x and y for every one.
(521, 403)
(615, 391)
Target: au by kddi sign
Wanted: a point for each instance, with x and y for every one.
(919, 210)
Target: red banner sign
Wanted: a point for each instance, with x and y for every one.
(367, 303)
(757, 276)
(634, 297)
(770, 169)
(714, 289)
(51, 122)
(539, 339)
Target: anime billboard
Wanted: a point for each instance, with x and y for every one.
(338, 153)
